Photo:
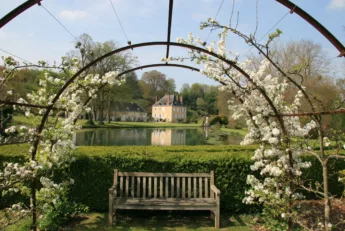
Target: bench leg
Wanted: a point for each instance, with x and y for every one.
(217, 218)
(111, 213)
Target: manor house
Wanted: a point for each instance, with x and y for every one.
(170, 108)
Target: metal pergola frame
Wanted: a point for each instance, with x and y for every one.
(26, 5)
(293, 9)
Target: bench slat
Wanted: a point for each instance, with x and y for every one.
(172, 186)
(132, 187)
(183, 187)
(178, 187)
(211, 183)
(144, 187)
(127, 185)
(138, 187)
(166, 187)
(149, 194)
(161, 187)
(155, 187)
(121, 186)
(200, 187)
(195, 187)
(189, 187)
(152, 174)
(206, 187)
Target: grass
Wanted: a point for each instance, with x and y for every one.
(241, 132)
(152, 220)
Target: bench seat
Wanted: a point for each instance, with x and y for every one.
(164, 191)
(166, 203)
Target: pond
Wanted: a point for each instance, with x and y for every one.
(153, 136)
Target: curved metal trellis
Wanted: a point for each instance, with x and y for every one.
(293, 9)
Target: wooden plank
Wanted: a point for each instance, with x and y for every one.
(147, 174)
(178, 187)
(138, 187)
(121, 186)
(189, 187)
(172, 187)
(161, 187)
(211, 183)
(183, 187)
(127, 186)
(132, 187)
(149, 194)
(195, 187)
(167, 207)
(206, 187)
(166, 187)
(115, 176)
(144, 187)
(200, 187)
(155, 187)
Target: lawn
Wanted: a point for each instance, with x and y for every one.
(152, 220)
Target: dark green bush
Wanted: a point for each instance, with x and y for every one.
(222, 120)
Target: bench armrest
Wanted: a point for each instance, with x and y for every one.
(113, 191)
(215, 190)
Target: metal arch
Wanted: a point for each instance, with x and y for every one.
(17, 11)
(293, 8)
(318, 26)
(191, 47)
(159, 65)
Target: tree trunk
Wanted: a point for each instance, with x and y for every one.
(325, 194)
(327, 208)
(90, 120)
(101, 109)
(109, 120)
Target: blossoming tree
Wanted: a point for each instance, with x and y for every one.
(56, 106)
(259, 97)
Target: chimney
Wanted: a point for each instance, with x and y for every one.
(156, 99)
(181, 99)
(168, 99)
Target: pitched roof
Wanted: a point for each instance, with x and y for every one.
(174, 100)
(126, 106)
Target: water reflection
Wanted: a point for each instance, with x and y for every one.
(147, 136)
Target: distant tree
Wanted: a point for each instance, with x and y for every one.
(87, 50)
(201, 104)
(155, 83)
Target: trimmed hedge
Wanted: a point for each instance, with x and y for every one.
(93, 172)
(93, 169)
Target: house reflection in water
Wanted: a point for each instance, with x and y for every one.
(167, 137)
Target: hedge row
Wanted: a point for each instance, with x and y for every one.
(93, 169)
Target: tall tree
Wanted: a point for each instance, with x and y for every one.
(87, 50)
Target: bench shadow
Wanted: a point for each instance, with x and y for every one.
(155, 220)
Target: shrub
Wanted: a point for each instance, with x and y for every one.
(222, 120)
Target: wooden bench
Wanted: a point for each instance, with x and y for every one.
(164, 191)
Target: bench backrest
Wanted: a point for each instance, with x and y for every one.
(163, 185)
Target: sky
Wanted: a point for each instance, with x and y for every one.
(35, 35)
